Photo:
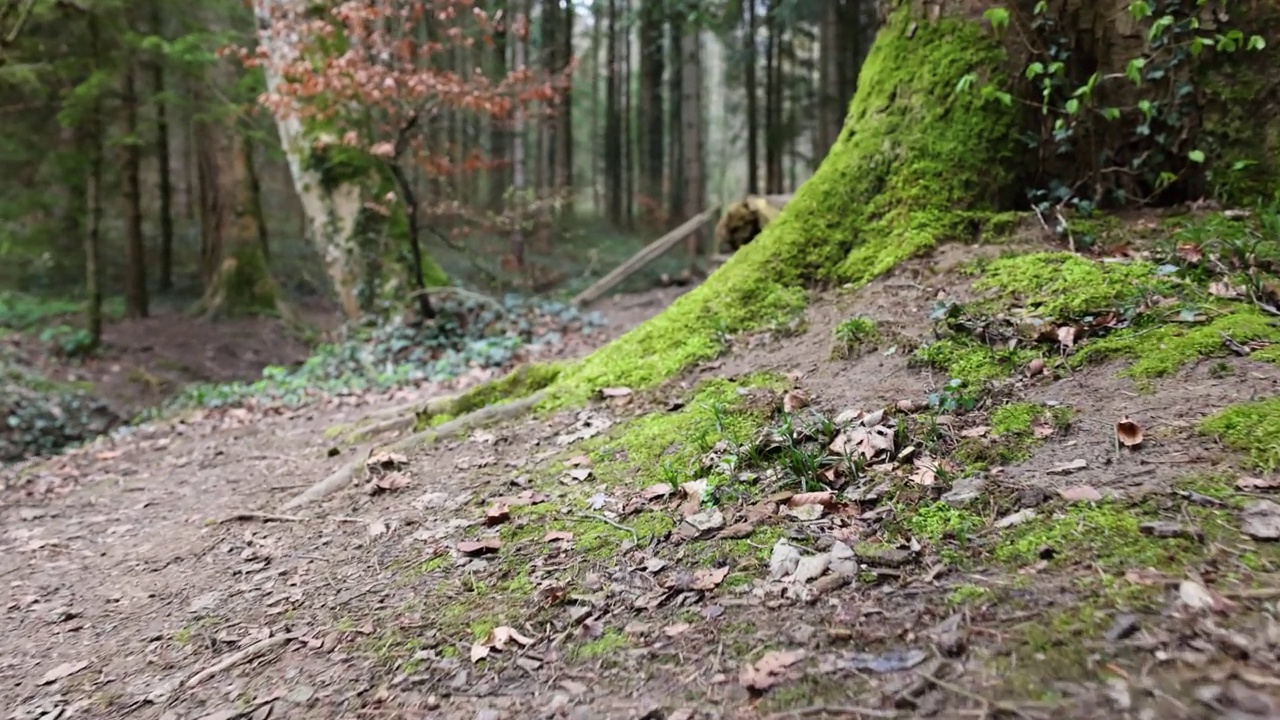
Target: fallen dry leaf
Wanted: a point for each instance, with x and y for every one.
(503, 634)
(386, 460)
(975, 431)
(821, 497)
(677, 629)
(1128, 432)
(579, 474)
(737, 531)
(1253, 483)
(794, 400)
(768, 670)
(579, 461)
(1035, 367)
(524, 499)
(479, 652)
(615, 392)
(1223, 289)
(1079, 493)
(390, 482)
(557, 536)
(1042, 431)
(1199, 597)
(1190, 252)
(497, 514)
(1067, 336)
(709, 578)
(479, 547)
(376, 528)
(926, 471)
(64, 670)
(655, 491)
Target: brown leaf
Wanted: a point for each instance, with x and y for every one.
(708, 578)
(479, 547)
(497, 514)
(768, 670)
(655, 491)
(1067, 336)
(386, 460)
(557, 535)
(1199, 597)
(1128, 432)
(1035, 367)
(1253, 483)
(615, 392)
(479, 652)
(926, 472)
(1079, 493)
(794, 400)
(526, 498)
(390, 482)
(677, 629)
(1042, 431)
(579, 461)
(503, 634)
(738, 531)
(579, 474)
(975, 431)
(761, 511)
(1223, 289)
(1190, 252)
(821, 497)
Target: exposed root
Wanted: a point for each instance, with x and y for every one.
(236, 658)
(346, 474)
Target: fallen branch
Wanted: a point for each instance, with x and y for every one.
(836, 710)
(236, 658)
(346, 474)
(264, 517)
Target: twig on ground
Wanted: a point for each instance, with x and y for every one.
(591, 516)
(1234, 346)
(236, 658)
(837, 710)
(985, 702)
(264, 517)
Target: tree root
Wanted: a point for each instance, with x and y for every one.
(346, 474)
(236, 658)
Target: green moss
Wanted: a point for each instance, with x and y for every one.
(1065, 286)
(1015, 418)
(1250, 428)
(967, 593)
(243, 285)
(973, 364)
(938, 520)
(1162, 350)
(610, 642)
(525, 380)
(915, 157)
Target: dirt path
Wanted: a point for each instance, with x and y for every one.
(550, 567)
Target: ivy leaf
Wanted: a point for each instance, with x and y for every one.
(998, 17)
(1111, 113)
(1139, 10)
(1035, 69)
(1041, 7)
(1133, 70)
(1256, 42)
(1196, 156)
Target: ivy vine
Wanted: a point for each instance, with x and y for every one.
(1113, 139)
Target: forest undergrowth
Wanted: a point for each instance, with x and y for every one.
(1001, 479)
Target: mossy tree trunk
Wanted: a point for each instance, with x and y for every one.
(931, 150)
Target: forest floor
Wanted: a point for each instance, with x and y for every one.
(671, 554)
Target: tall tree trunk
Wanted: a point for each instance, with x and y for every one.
(93, 204)
(651, 116)
(163, 160)
(518, 179)
(135, 277)
(564, 121)
(692, 135)
(628, 136)
(753, 103)
(613, 121)
(255, 196)
(675, 119)
(596, 36)
(498, 140)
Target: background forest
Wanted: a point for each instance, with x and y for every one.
(168, 164)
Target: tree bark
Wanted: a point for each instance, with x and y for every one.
(692, 136)
(518, 179)
(651, 133)
(564, 124)
(753, 103)
(93, 205)
(135, 279)
(613, 121)
(164, 161)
